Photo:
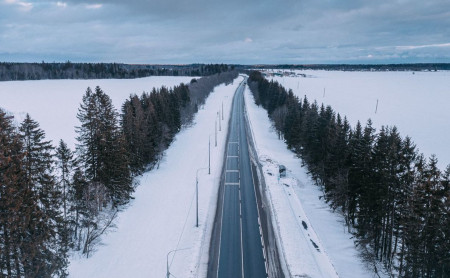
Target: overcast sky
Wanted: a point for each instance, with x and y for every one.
(225, 31)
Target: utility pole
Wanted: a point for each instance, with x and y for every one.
(215, 133)
(196, 195)
(220, 121)
(167, 264)
(376, 107)
(196, 200)
(209, 155)
(222, 109)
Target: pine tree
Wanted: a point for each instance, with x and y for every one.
(338, 183)
(292, 124)
(78, 206)
(65, 168)
(65, 165)
(414, 223)
(101, 147)
(134, 128)
(433, 210)
(356, 171)
(12, 196)
(43, 240)
(443, 252)
(404, 191)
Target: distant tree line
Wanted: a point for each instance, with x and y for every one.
(395, 202)
(69, 70)
(362, 67)
(53, 200)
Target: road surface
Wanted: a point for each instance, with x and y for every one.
(240, 251)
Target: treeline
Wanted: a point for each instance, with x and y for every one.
(150, 121)
(54, 200)
(69, 70)
(363, 67)
(395, 202)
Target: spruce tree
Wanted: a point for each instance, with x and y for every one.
(79, 206)
(135, 129)
(65, 167)
(404, 192)
(339, 181)
(433, 210)
(443, 252)
(43, 240)
(102, 148)
(13, 193)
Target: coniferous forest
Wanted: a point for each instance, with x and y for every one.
(54, 200)
(394, 201)
(69, 70)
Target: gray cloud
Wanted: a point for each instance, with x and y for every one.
(175, 31)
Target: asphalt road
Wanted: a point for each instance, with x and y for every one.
(241, 246)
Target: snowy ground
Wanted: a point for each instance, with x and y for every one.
(313, 238)
(162, 216)
(54, 103)
(416, 103)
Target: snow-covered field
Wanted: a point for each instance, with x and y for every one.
(417, 103)
(54, 103)
(314, 239)
(162, 216)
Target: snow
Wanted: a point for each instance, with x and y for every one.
(162, 216)
(416, 102)
(54, 103)
(313, 239)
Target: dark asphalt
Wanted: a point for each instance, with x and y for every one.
(241, 249)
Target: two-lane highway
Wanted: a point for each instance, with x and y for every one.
(240, 251)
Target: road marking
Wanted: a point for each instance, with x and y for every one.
(220, 232)
(259, 223)
(232, 171)
(232, 183)
(233, 142)
(232, 156)
(240, 227)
